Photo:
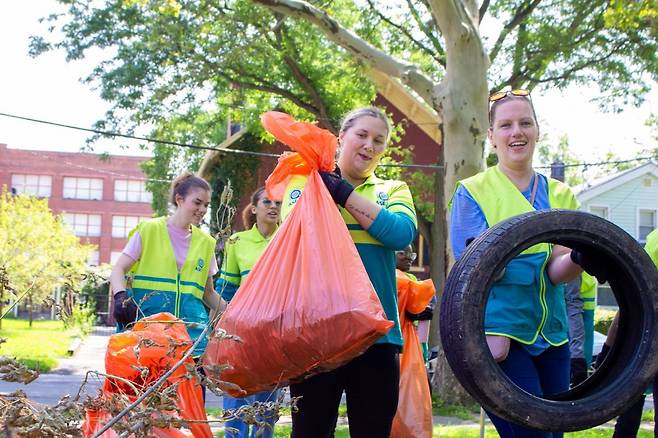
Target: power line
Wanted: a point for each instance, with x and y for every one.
(187, 145)
(603, 163)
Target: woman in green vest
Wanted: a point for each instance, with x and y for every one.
(525, 317)
(260, 219)
(170, 262)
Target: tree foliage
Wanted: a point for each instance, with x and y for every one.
(38, 251)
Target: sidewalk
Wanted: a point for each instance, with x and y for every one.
(70, 374)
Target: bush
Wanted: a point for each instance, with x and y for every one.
(603, 319)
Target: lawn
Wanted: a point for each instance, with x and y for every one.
(38, 347)
(467, 431)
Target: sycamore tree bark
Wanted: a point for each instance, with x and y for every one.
(460, 99)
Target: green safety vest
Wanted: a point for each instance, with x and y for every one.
(651, 246)
(524, 303)
(157, 286)
(588, 291)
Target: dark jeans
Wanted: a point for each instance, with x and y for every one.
(540, 375)
(371, 383)
(628, 423)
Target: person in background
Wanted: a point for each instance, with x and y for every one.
(628, 423)
(403, 261)
(381, 219)
(260, 219)
(525, 316)
(170, 262)
(576, 332)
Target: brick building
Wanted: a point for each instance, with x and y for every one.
(101, 197)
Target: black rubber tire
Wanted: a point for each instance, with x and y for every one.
(632, 361)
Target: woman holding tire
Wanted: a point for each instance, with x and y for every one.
(525, 318)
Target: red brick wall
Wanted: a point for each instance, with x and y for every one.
(85, 165)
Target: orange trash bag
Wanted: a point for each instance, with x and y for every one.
(413, 418)
(307, 305)
(155, 343)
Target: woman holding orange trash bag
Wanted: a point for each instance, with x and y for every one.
(260, 219)
(381, 219)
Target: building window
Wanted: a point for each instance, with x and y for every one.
(34, 185)
(84, 224)
(122, 225)
(599, 211)
(83, 188)
(131, 191)
(94, 259)
(646, 224)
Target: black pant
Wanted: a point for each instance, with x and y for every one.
(629, 421)
(371, 383)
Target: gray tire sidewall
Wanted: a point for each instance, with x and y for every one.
(630, 365)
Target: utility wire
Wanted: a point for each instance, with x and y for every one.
(189, 145)
(265, 154)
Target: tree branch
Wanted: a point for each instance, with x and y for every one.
(358, 47)
(483, 10)
(322, 115)
(427, 30)
(522, 12)
(407, 33)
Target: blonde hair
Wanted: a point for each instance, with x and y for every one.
(367, 111)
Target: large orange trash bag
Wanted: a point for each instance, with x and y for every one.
(155, 343)
(307, 305)
(413, 418)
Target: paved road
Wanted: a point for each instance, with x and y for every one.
(69, 376)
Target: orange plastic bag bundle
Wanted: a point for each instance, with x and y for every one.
(155, 343)
(413, 418)
(307, 305)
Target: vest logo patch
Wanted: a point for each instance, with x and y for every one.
(294, 196)
(382, 197)
(199, 265)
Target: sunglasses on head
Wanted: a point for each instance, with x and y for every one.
(498, 95)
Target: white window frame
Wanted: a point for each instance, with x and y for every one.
(637, 221)
(80, 224)
(131, 190)
(601, 206)
(120, 222)
(74, 187)
(41, 188)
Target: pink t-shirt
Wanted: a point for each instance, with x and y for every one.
(180, 240)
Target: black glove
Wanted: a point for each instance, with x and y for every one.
(425, 315)
(578, 371)
(339, 188)
(601, 356)
(592, 262)
(125, 310)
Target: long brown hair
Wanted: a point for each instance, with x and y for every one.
(249, 217)
(182, 184)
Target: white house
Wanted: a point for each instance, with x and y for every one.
(628, 199)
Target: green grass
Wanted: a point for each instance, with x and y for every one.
(471, 431)
(648, 415)
(439, 407)
(38, 347)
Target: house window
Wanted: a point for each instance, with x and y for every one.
(599, 211)
(34, 185)
(131, 191)
(122, 225)
(646, 224)
(83, 188)
(84, 224)
(94, 259)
